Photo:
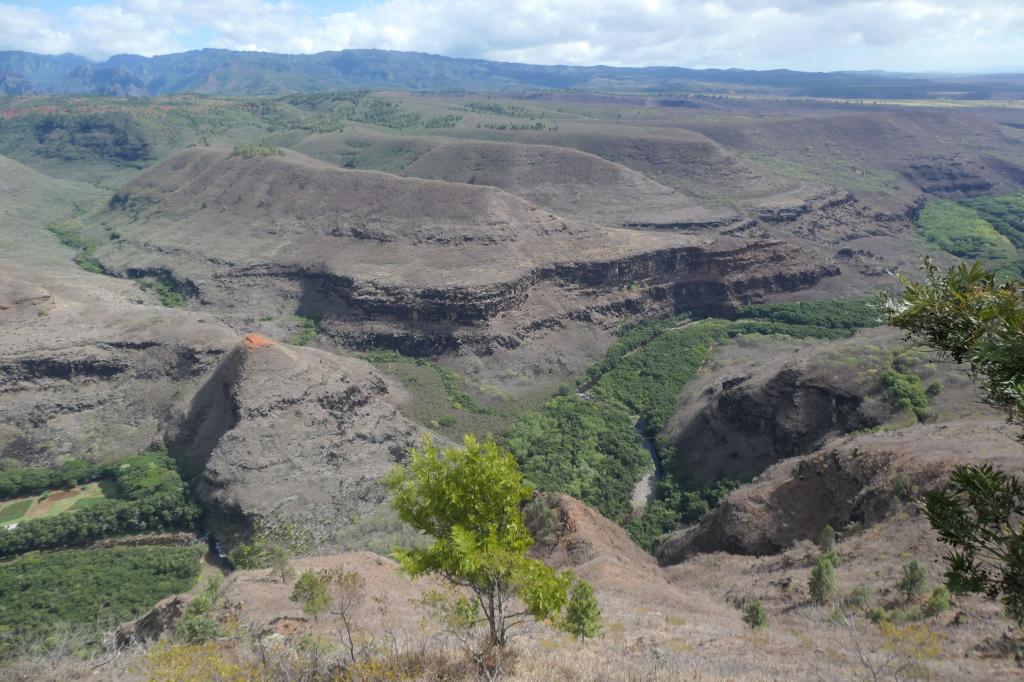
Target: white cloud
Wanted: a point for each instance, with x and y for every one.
(804, 34)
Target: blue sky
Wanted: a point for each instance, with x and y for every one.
(896, 35)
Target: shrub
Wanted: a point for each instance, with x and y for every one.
(912, 584)
(197, 625)
(822, 583)
(937, 602)
(858, 597)
(827, 540)
(754, 614)
(311, 591)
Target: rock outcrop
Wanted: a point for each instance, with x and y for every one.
(861, 479)
(377, 255)
(736, 421)
(291, 434)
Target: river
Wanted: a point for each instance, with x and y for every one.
(647, 486)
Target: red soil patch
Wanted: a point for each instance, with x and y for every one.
(257, 341)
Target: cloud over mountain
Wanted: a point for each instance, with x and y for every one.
(802, 34)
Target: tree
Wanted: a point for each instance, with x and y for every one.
(583, 614)
(980, 514)
(822, 584)
(469, 500)
(912, 583)
(280, 563)
(971, 316)
(310, 590)
(347, 591)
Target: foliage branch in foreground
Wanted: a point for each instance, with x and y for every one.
(968, 314)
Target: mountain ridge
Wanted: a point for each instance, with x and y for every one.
(228, 72)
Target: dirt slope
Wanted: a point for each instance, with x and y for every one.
(566, 181)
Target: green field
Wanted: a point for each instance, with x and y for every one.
(989, 229)
(56, 502)
(88, 588)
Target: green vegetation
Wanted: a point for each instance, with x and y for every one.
(458, 398)
(585, 448)
(990, 229)
(271, 546)
(858, 597)
(256, 150)
(675, 506)
(150, 496)
(960, 231)
(499, 109)
(971, 316)
(1004, 213)
(310, 590)
(34, 480)
(85, 250)
(848, 315)
(13, 511)
(827, 540)
(912, 584)
(88, 587)
(197, 624)
(582, 613)
(469, 500)
(905, 392)
(309, 327)
(168, 296)
(754, 614)
(112, 136)
(822, 583)
(586, 445)
(648, 379)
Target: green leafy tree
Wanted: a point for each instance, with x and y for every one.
(583, 613)
(311, 590)
(469, 500)
(970, 315)
(822, 583)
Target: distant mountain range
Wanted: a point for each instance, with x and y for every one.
(227, 72)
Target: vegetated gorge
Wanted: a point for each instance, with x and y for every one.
(229, 312)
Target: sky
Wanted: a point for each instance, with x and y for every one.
(808, 35)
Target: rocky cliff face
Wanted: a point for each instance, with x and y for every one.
(291, 434)
(735, 421)
(426, 264)
(860, 480)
